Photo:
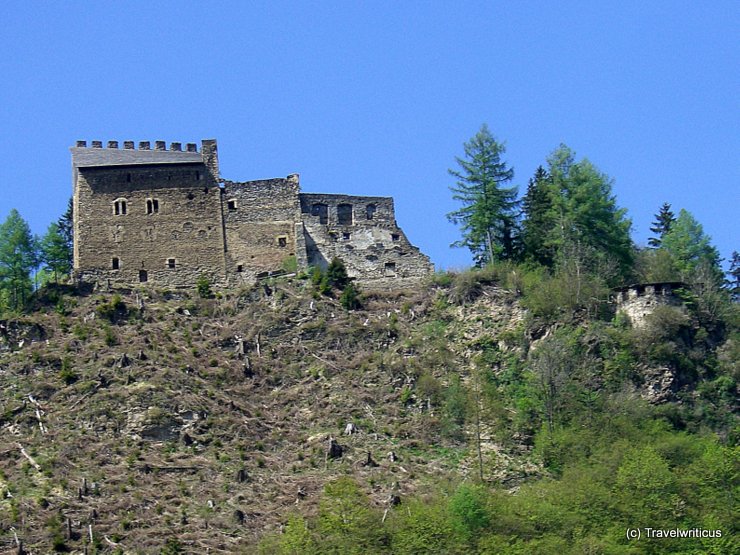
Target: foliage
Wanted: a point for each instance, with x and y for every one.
(487, 217)
(663, 222)
(203, 286)
(733, 283)
(349, 297)
(18, 257)
(336, 274)
(55, 252)
(691, 249)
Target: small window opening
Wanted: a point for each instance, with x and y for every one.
(155, 206)
(346, 236)
(197, 176)
(119, 207)
(390, 268)
(128, 178)
(152, 206)
(370, 211)
(322, 211)
(344, 214)
(205, 190)
(231, 204)
(395, 236)
(143, 276)
(171, 262)
(191, 196)
(115, 263)
(240, 268)
(282, 242)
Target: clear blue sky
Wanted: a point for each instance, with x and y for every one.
(377, 98)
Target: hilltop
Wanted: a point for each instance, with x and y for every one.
(158, 420)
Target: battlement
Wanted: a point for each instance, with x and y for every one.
(144, 145)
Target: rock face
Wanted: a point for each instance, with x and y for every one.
(167, 217)
(639, 301)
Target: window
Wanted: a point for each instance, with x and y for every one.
(152, 206)
(370, 211)
(128, 178)
(344, 214)
(395, 236)
(390, 269)
(240, 268)
(119, 207)
(346, 236)
(322, 211)
(282, 242)
(231, 204)
(171, 262)
(115, 263)
(197, 176)
(191, 196)
(143, 276)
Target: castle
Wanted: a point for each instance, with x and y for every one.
(166, 217)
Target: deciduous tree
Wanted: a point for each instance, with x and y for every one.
(18, 257)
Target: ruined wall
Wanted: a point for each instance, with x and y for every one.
(637, 302)
(259, 221)
(159, 224)
(362, 231)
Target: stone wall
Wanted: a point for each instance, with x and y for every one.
(639, 301)
(259, 222)
(166, 217)
(157, 224)
(363, 233)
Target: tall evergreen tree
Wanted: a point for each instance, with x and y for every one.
(585, 215)
(692, 249)
(488, 218)
(662, 225)
(66, 229)
(54, 252)
(537, 223)
(18, 256)
(734, 276)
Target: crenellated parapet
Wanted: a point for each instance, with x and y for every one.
(143, 145)
(639, 300)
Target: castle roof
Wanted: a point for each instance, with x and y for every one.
(84, 157)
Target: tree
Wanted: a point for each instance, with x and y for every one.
(18, 256)
(692, 250)
(487, 217)
(66, 230)
(663, 221)
(55, 252)
(537, 224)
(734, 275)
(585, 217)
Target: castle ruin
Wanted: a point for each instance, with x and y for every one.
(166, 217)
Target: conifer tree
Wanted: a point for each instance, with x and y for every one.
(55, 252)
(537, 224)
(66, 229)
(18, 257)
(691, 249)
(488, 217)
(662, 225)
(734, 276)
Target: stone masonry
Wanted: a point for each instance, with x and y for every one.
(166, 217)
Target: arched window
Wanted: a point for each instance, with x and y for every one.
(152, 206)
(119, 207)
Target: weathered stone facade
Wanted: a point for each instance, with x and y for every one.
(167, 217)
(640, 300)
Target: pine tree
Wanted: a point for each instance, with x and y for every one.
(662, 225)
(734, 275)
(585, 216)
(488, 217)
(66, 229)
(18, 256)
(537, 224)
(55, 252)
(692, 250)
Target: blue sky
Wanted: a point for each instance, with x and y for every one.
(377, 98)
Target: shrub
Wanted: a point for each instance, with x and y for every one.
(349, 298)
(203, 286)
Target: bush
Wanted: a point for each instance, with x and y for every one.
(349, 298)
(203, 285)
